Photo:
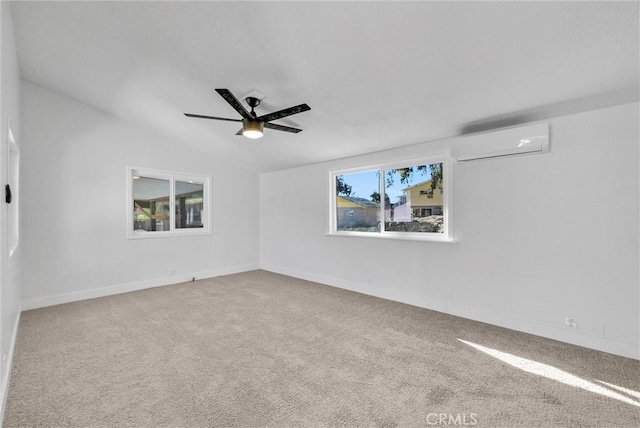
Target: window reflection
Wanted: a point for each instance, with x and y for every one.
(151, 204)
(189, 204)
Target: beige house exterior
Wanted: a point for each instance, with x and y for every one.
(423, 200)
(418, 201)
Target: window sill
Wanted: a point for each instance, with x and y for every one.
(402, 236)
(153, 235)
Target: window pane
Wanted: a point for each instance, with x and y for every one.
(414, 199)
(151, 211)
(189, 204)
(358, 202)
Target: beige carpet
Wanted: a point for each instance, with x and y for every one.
(259, 349)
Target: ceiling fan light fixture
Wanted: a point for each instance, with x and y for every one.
(252, 128)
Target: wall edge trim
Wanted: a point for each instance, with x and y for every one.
(75, 296)
(597, 343)
(9, 364)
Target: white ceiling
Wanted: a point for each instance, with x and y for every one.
(377, 75)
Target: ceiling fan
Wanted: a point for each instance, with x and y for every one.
(252, 124)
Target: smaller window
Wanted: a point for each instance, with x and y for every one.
(166, 204)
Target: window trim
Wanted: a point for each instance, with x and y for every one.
(439, 157)
(172, 177)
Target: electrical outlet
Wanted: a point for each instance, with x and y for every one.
(571, 322)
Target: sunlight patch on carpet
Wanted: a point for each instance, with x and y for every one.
(554, 373)
(622, 389)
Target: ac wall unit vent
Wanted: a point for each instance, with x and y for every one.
(506, 142)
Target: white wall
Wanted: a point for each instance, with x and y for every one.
(74, 206)
(9, 266)
(539, 237)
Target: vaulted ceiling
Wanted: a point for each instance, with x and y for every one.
(377, 75)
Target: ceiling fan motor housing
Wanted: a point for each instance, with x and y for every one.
(253, 102)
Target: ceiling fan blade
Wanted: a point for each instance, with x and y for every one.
(281, 128)
(239, 132)
(284, 113)
(231, 99)
(212, 117)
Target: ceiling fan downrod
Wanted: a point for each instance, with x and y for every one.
(253, 103)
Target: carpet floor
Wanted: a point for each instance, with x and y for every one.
(258, 349)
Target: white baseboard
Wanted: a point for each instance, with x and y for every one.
(8, 365)
(623, 349)
(58, 299)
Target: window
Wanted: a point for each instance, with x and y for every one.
(13, 178)
(355, 213)
(164, 204)
(189, 204)
(406, 200)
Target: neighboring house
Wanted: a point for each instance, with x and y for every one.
(356, 212)
(417, 201)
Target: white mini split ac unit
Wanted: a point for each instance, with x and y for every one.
(506, 142)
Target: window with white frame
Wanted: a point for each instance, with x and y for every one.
(404, 200)
(162, 203)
